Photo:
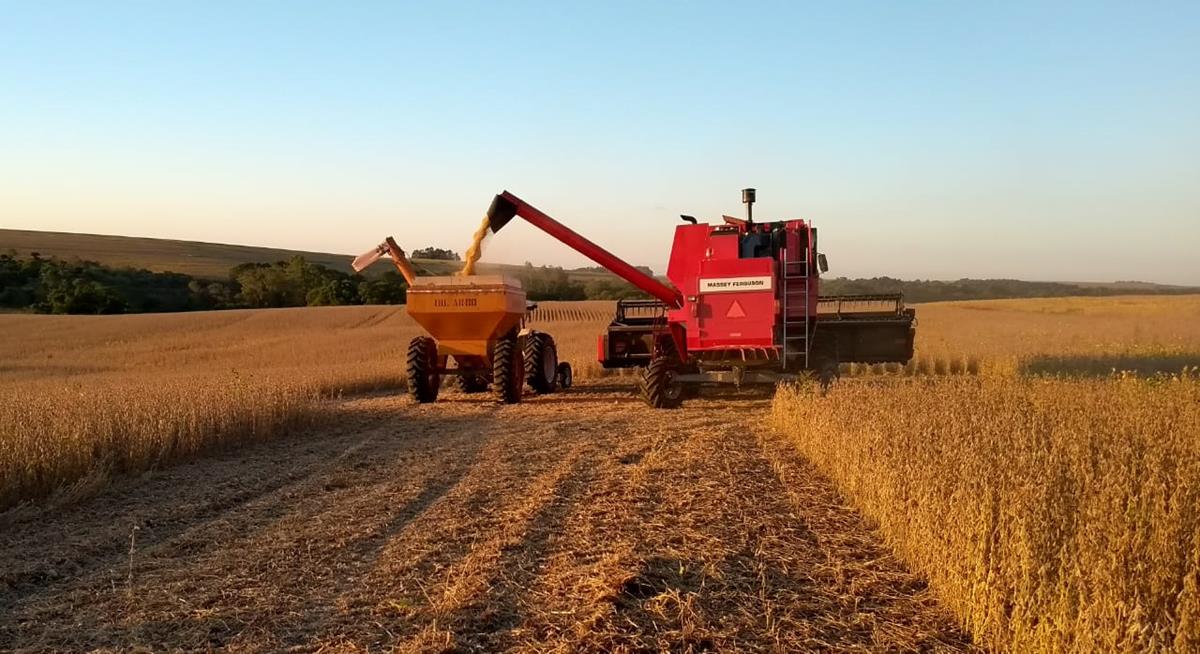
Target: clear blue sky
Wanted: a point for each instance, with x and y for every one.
(930, 140)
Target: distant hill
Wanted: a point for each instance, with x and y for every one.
(210, 260)
(214, 260)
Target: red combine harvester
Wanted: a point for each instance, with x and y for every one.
(744, 309)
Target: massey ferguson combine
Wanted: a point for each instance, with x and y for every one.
(743, 307)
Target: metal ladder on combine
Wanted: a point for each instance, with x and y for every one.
(795, 274)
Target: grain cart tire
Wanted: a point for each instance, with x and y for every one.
(423, 378)
(508, 369)
(566, 377)
(472, 383)
(541, 362)
(658, 385)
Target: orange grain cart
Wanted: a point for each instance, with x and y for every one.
(476, 333)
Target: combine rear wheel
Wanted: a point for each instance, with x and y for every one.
(423, 378)
(541, 362)
(827, 373)
(825, 362)
(659, 387)
(508, 370)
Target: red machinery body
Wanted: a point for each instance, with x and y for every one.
(732, 280)
(743, 304)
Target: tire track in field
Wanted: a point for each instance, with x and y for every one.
(97, 533)
(271, 510)
(574, 522)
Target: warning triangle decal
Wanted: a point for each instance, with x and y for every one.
(735, 311)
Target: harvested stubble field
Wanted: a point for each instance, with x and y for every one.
(1049, 514)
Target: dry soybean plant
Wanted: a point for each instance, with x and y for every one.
(1050, 515)
(82, 397)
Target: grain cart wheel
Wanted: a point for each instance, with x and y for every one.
(658, 385)
(508, 369)
(472, 383)
(541, 362)
(471, 377)
(566, 378)
(423, 378)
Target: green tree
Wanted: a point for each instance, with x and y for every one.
(388, 288)
(65, 294)
(332, 292)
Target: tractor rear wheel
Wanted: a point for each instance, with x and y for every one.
(659, 387)
(541, 362)
(508, 369)
(423, 377)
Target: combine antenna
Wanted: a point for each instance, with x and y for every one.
(748, 200)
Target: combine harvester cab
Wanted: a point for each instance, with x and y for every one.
(476, 323)
(743, 307)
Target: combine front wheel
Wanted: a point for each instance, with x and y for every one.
(541, 362)
(423, 378)
(508, 370)
(659, 387)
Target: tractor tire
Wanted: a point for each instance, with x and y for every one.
(508, 370)
(566, 377)
(541, 363)
(423, 378)
(472, 383)
(658, 385)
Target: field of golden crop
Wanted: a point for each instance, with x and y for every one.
(1038, 463)
(1054, 500)
(82, 397)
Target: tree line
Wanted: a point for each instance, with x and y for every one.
(50, 285)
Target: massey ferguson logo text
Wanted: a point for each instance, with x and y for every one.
(728, 284)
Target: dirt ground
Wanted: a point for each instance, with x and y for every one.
(576, 522)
